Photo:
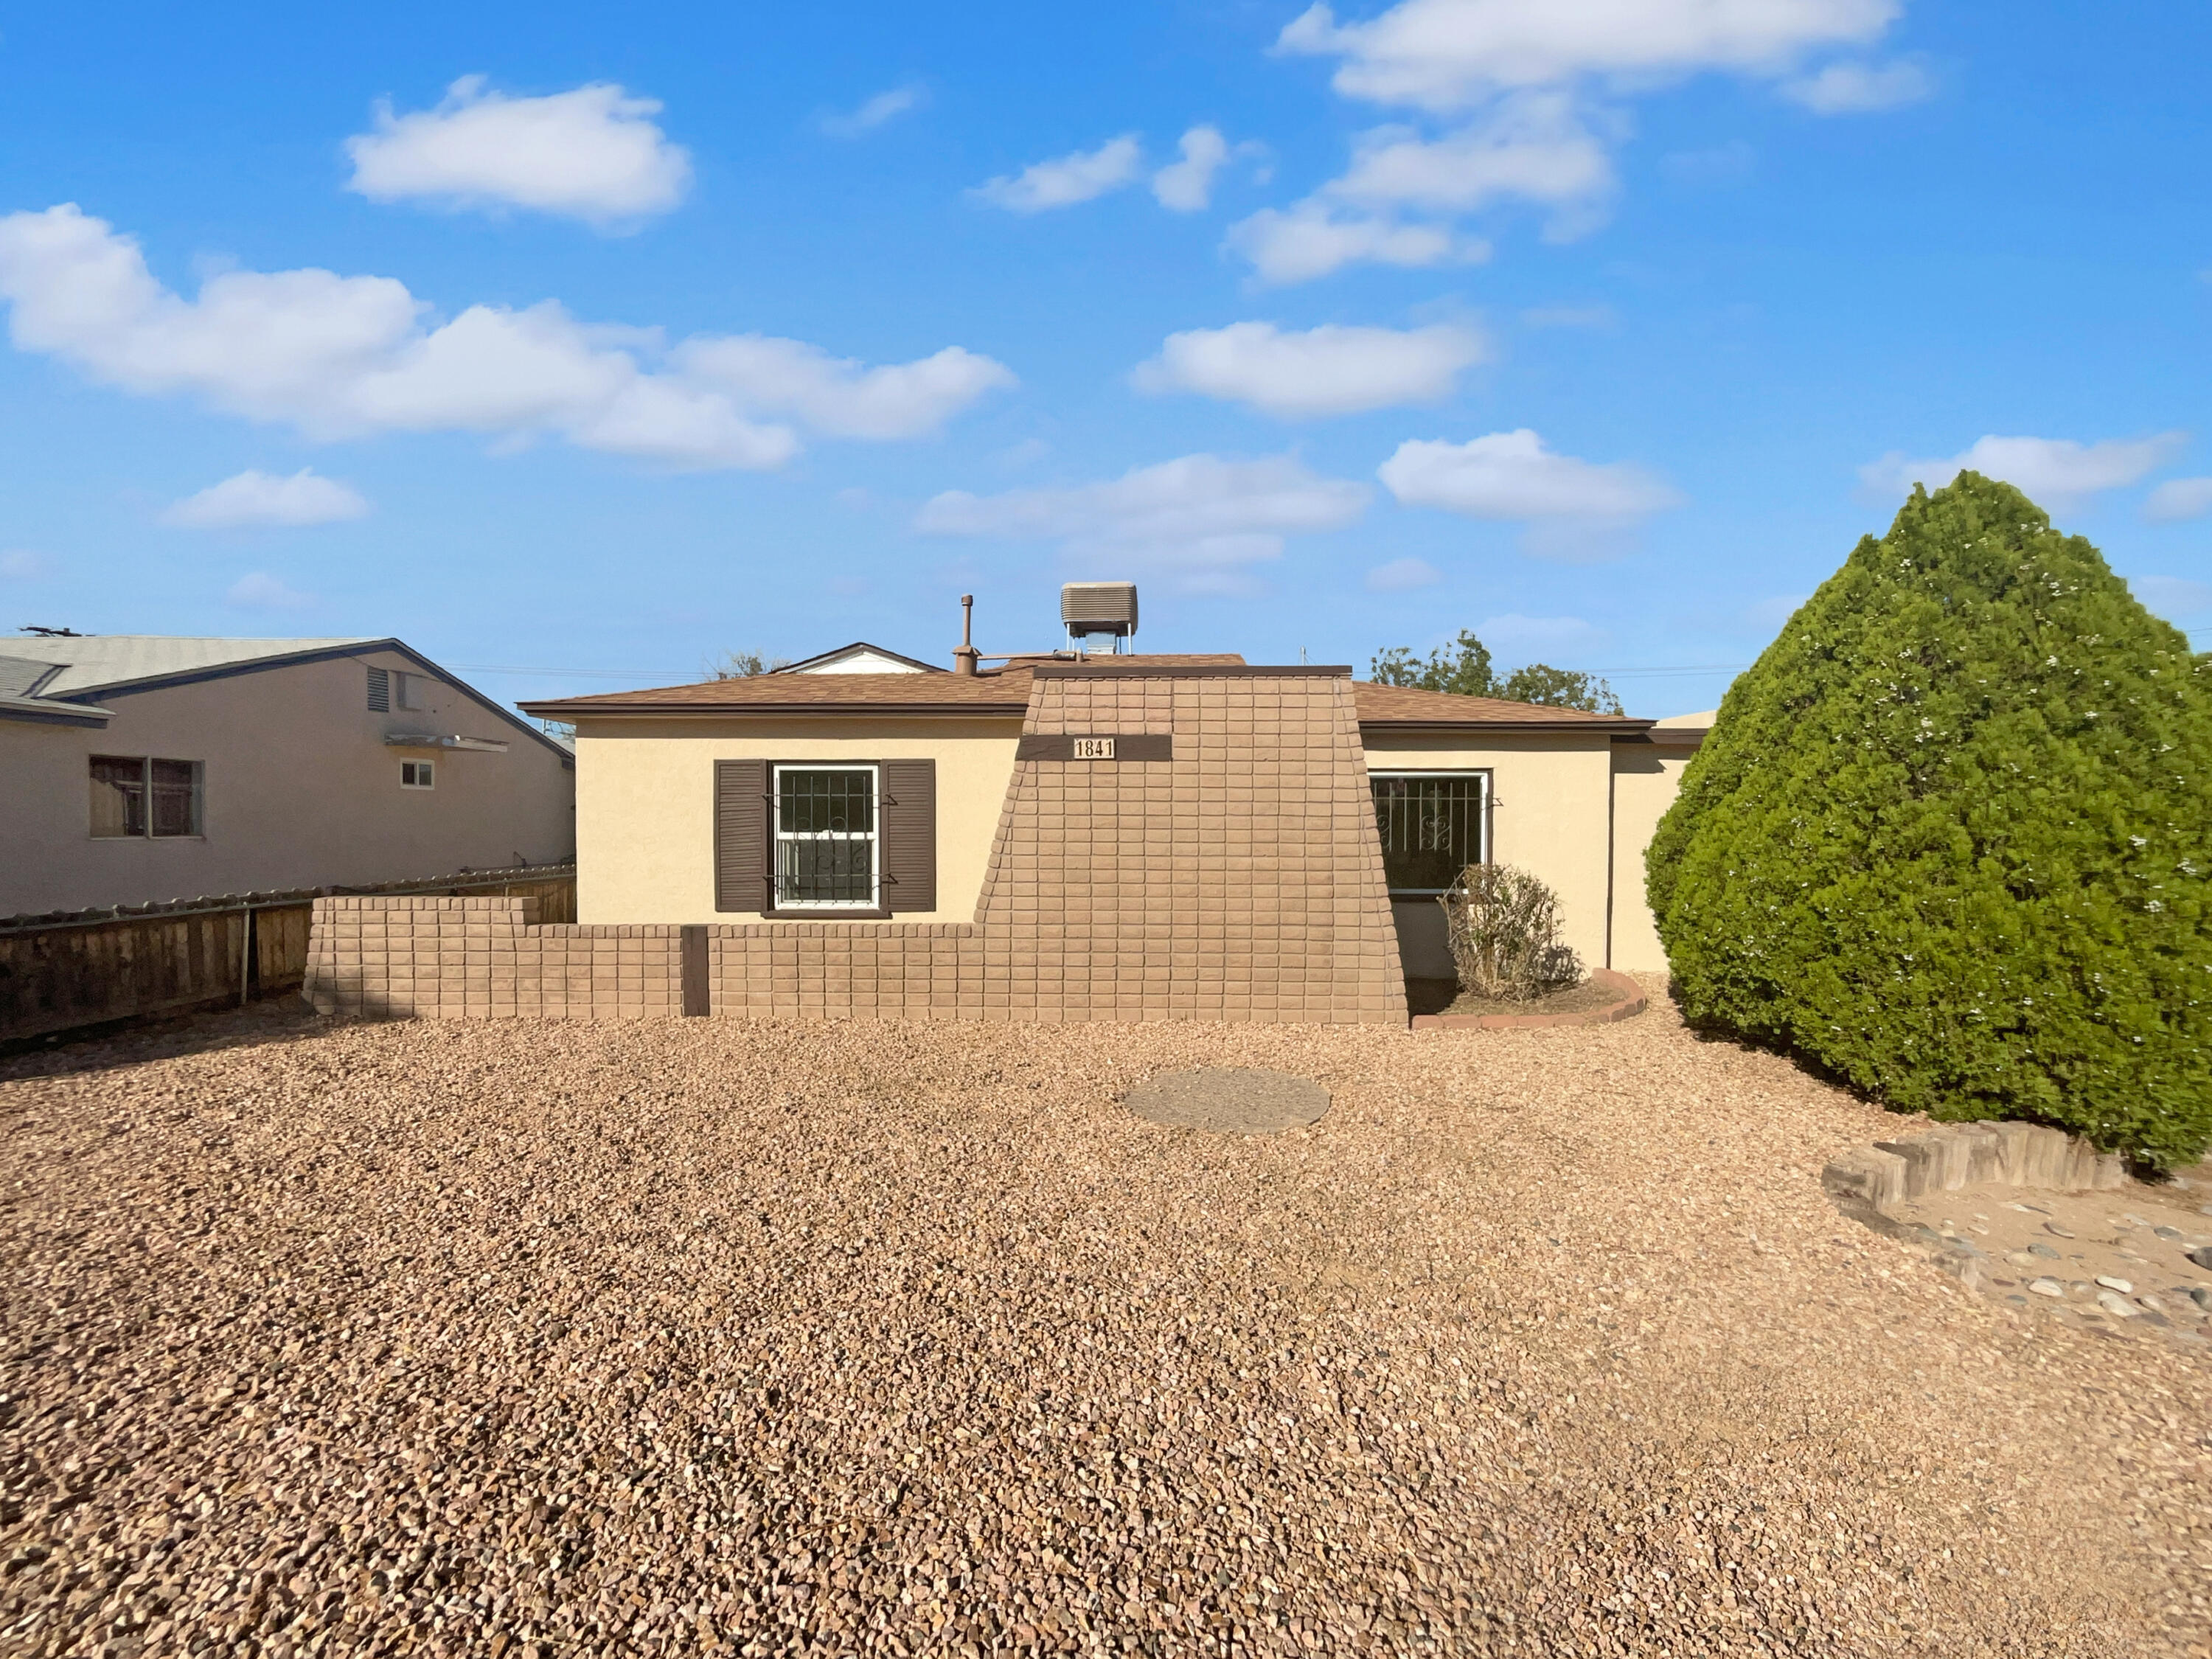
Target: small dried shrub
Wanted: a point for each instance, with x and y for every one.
(1504, 927)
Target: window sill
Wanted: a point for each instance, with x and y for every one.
(835, 912)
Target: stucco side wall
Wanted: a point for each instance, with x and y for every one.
(298, 789)
(645, 805)
(1549, 805)
(1644, 781)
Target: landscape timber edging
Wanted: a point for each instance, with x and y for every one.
(1865, 1182)
(1632, 1002)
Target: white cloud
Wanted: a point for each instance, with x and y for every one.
(884, 107)
(1854, 88)
(253, 499)
(262, 591)
(2178, 499)
(2174, 597)
(20, 564)
(2053, 472)
(1069, 179)
(1449, 54)
(1514, 632)
(342, 356)
(840, 396)
(593, 153)
(1331, 370)
(1523, 87)
(1197, 514)
(1572, 507)
(1403, 576)
(1314, 239)
(1187, 186)
(1534, 146)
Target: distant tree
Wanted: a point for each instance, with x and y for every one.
(1951, 837)
(1559, 688)
(744, 665)
(1464, 670)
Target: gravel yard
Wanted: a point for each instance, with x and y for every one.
(713, 1337)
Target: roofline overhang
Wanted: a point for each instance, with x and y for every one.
(55, 714)
(1107, 668)
(584, 709)
(1605, 728)
(295, 658)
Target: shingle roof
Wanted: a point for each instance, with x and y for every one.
(96, 661)
(1405, 705)
(770, 694)
(1007, 691)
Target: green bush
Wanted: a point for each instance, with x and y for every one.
(1947, 839)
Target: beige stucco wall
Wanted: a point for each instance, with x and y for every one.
(645, 804)
(1549, 802)
(298, 789)
(1644, 780)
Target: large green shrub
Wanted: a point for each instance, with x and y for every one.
(1948, 837)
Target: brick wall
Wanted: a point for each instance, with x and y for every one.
(1240, 880)
(484, 958)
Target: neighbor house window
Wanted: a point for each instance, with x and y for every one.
(416, 774)
(135, 795)
(1433, 825)
(825, 838)
(408, 690)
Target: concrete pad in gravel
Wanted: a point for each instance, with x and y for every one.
(712, 1337)
(1230, 1100)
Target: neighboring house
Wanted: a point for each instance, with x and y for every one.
(860, 657)
(1153, 817)
(141, 767)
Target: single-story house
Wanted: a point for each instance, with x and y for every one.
(1066, 835)
(146, 768)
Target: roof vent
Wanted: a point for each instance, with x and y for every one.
(1111, 608)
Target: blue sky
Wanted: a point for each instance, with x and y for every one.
(575, 346)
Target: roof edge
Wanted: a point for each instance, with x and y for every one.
(1106, 669)
(1609, 725)
(568, 709)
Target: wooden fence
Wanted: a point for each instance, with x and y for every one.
(61, 976)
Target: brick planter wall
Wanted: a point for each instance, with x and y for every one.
(1239, 880)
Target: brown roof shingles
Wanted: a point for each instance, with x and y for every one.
(1406, 705)
(1006, 691)
(763, 694)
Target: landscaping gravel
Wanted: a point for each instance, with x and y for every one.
(705, 1337)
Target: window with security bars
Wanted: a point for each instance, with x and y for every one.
(1433, 825)
(825, 838)
(133, 795)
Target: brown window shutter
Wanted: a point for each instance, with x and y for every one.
(910, 835)
(740, 835)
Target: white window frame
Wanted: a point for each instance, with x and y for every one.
(1482, 776)
(426, 775)
(777, 836)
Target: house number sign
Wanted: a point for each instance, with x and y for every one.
(1119, 746)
